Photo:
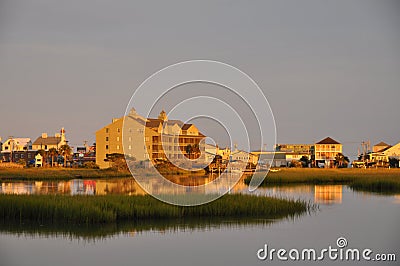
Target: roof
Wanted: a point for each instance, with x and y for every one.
(382, 144)
(153, 122)
(21, 141)
(328, 140)
(173, 122)
(47, 141)
(186, 126)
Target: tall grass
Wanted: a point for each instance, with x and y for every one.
(373, 180)
(116, 208)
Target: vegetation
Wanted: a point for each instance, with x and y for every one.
(54, 209)
(52, 153)
(305, 161)
(374, 180)
(341, 161)
(393, 162)
(65, 151)
(118, 162)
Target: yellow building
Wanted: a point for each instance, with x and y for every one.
(45, 142)
(17, 144)
(148, 139)
(326, 150)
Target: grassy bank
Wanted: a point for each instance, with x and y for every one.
(43, 174)
(117, 208)
(374, 180)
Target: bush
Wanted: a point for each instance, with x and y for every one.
(90, 165)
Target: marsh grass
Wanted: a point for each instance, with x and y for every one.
(52, 209)
(373, 180)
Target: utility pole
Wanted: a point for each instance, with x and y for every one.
(11, 148)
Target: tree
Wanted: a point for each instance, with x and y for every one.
(341, 161)
(118, 161)
(304, 161)
(52, 153)
(65, 151)
(196, 150)
(295, 164)
(393, 162)
(189, 150)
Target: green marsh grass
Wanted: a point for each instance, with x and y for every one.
(372, 180)
(51, 209)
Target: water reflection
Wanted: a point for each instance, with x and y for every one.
(319, 194)
(328, 194)
(130, 229)
(125, 186)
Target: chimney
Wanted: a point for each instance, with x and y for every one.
(44, 135)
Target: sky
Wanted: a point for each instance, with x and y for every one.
(327, 68)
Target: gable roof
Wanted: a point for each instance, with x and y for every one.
(328, 140)
(47, 141)
(20, 141)
(153, 123)
(186, 126)
(382, 144)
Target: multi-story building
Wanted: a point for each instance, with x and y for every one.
(393, 151)
(45, 142)
(325, 152)
(243, 156)
(148, 139)
(296, 148)
(16, 149)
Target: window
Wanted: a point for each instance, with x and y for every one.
(118, 130)
(107, 130)
(130, 139)
(117, 147)
(22, 156)
(117, 138)
(130, 147)
(106, 138)
(106, 147)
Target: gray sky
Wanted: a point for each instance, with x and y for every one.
(328, 68)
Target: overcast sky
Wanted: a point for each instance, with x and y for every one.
(327, 68)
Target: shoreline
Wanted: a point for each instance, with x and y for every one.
(385, 181)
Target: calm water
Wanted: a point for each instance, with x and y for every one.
(366, 220)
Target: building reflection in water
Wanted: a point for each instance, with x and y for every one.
(328, 194)
(325, 194)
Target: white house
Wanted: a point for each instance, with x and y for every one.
(240, 155)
